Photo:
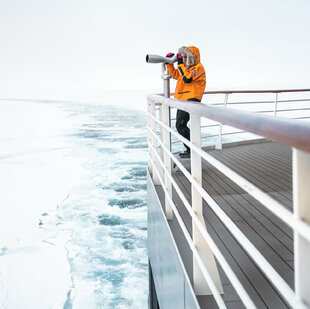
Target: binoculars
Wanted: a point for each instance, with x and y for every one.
(160, 59)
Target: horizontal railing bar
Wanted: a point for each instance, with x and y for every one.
(228, 133)
(211, 125)
(283, 117)
(301, 118)
(262, 102)
(248, 91)
(251, 102)
(204, 137)
(259, 259)
(237, 132)
(208, 136)
(285, 131)
(297, 100)
(294, 109)
(286, 110)
(262, 112)
(214, 104)
(259, 112)
(256, 102)
(226, 267)
(255, 91)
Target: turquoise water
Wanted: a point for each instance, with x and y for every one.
(105, 217)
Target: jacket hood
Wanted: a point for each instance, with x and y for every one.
(191, 54)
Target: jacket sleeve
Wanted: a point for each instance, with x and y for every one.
(189, 75)
(172, 71)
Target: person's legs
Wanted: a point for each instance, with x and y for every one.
(181, 125)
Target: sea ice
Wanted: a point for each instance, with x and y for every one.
(36, 174)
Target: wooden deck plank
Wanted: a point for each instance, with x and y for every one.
(274, 159)
(266, 154)
(223, 187)
(260, 181)
(280, 151)
(261, 177)
(252, 205)
(268, 170)
(250, 276)
(273, 223)
(269, 160)
(256, 223)
(266, 181)
(245, 203)
(267, 232)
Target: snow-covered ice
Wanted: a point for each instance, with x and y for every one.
(35, 176)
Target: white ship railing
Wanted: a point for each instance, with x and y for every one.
(278, 103)
(290, 132)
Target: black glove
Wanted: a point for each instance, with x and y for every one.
(180, 59)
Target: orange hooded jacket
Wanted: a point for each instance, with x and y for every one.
(191, 78)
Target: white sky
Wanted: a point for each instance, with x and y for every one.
(64, 48)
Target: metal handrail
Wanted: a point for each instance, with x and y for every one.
(262, 102)
(251, 91)
(255, 91)
(289, 132)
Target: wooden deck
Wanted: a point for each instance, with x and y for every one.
(268, 166)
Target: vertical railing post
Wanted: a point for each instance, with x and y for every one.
(301, 199)
(200, 285)
(149, 124)
(167, 141)
(276, 104)
(154, 142)
(218, 144)
(160, 117)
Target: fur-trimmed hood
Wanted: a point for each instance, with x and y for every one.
(191, 55)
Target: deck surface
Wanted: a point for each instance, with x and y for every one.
(268, 166)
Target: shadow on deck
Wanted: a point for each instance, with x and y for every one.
(268, 166)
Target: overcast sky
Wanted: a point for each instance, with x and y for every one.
(59, 48)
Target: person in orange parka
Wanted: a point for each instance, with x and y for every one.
(191, 83)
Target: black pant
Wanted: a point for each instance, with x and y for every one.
(181, 124)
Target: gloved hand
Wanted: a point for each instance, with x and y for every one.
(180, 59)
(170, 55)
